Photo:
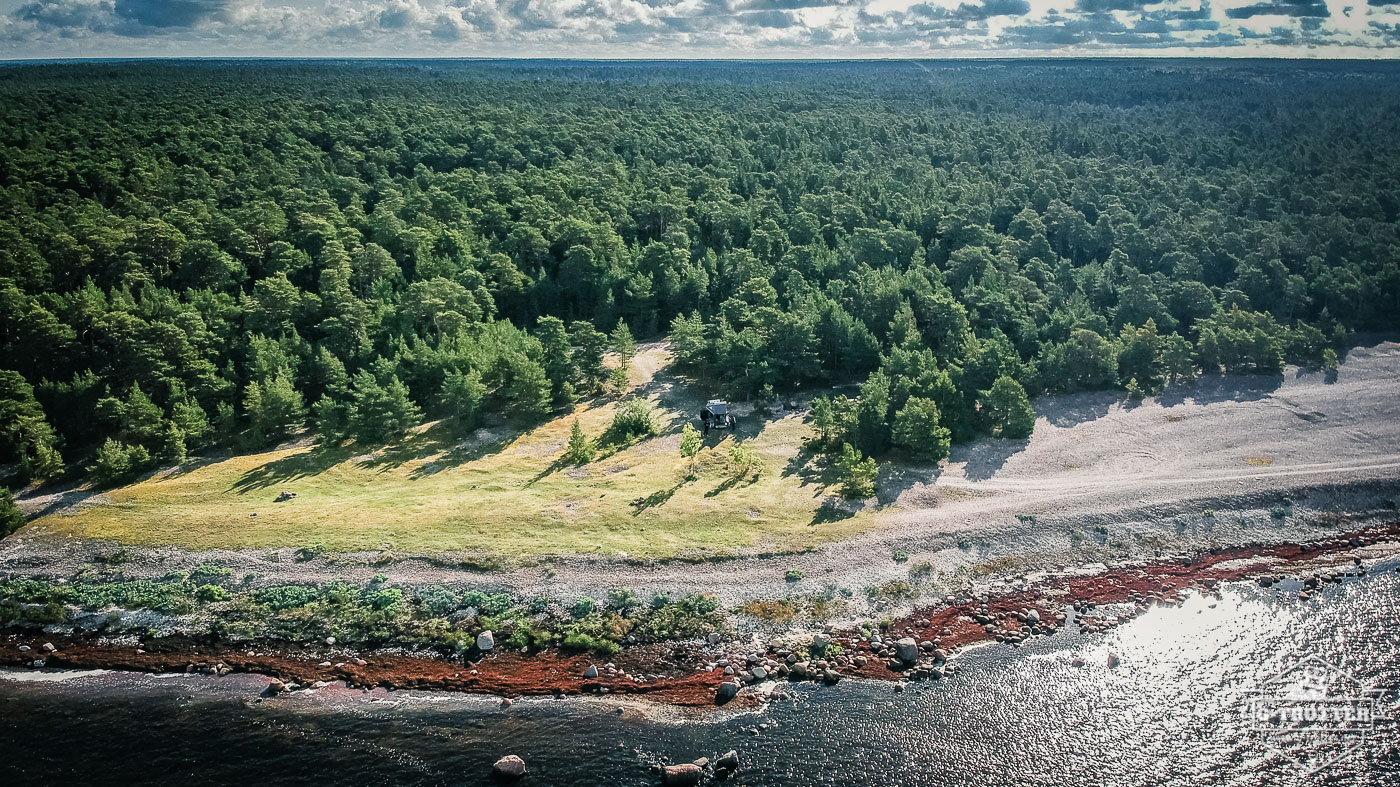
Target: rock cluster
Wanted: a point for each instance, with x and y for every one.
(1017, 627)
(509, 767)
(689, 774)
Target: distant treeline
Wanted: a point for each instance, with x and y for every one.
(194, 255)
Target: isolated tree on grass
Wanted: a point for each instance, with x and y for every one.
(1007, 409)
(744, 461)
(580, 450)
(634, 418)
(691, 443)
(857, 473)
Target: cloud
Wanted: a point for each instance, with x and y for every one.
(1299, 8)
(66, 16)
(775, 19)
(990, 8)
(677, 28)
(169, 13)
(784, 5)
(1100, 6)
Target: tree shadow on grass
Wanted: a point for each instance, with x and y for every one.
(291, 468)
(657, 498)
(811, 467)
(828, 513)
(747, 478)
(438, 440)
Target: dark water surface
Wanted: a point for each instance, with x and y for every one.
(1176, 711)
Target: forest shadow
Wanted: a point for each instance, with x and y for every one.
(291, 468)
(1074, 409)
(1210, 389)
(896, 479)
(437, 441)
(985, 457)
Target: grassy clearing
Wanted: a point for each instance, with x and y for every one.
(500, 492)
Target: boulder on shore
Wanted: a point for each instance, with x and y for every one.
(726, 692)
(509, 767)
(685, 775)
(907, 650)
(485, 640)
(591, 672)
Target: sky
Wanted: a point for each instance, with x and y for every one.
(698, 28)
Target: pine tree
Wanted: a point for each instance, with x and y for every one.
(691, 443)
(274, 410)
(525, 388)
(918, 428)
(1007, 409)
(11, 518)
(464, 394)
(872, 430)
(590, 346)
(625, 347)
(857, 473)
(556, 358)
(580, 450)
(381, 412)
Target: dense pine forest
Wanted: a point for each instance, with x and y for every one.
(222, 255)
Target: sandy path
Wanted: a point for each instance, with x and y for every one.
(1102, 478)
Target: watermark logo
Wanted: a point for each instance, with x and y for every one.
(1314, 714)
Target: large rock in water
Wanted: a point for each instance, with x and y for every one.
(684, 775)
(729, 761)
(907, 650)
(509, 767)
(485, 641)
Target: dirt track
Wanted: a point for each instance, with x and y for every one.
(1101, 480)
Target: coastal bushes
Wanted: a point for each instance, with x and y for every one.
(374, 615)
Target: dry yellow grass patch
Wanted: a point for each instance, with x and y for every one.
(497, 491)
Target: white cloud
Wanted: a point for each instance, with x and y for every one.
(702, 28)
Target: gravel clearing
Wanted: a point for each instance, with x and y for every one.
(1226, 461)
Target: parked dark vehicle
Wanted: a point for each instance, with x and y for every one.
(716, 415)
